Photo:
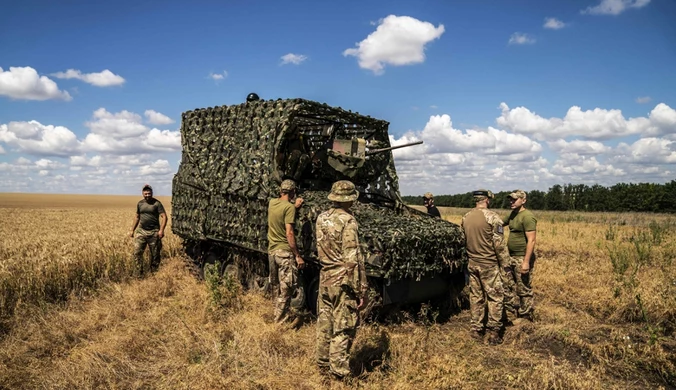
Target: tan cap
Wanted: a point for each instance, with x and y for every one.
(428, 195)
(343, 191)
(288, 185)
(518, 194)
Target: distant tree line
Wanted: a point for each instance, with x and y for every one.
(641, 197)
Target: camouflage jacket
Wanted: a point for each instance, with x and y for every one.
(339, 252)
(485, 238)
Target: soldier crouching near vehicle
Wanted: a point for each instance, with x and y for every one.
(283, 256)
(342, 281)
(487, 255)
(152, 218)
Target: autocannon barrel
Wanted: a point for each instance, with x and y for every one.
(376, 151)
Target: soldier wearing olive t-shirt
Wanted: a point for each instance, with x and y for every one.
(149, 224)
(283, 256)
(521, 244)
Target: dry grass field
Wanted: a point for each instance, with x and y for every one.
(74, 314)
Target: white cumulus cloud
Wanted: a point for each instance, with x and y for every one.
(123, 124)
(553, 24)
(35, 138)
(521, 39)
(292, 58)
(397, 41)
(614, 7)
(105, 78)
(590, 124)
(579, 147)
(25, 83)
(157, 118)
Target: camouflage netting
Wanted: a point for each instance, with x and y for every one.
(235, 157)
(412, 244)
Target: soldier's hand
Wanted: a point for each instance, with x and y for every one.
(299, 202)
(525, 268)
(362, 302)
(300, 262)
(160, 234)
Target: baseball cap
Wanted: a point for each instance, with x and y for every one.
(518, 194)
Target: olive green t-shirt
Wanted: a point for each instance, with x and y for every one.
(149, 214)
(280, 212)
(519, 224)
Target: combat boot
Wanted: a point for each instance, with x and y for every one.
(494, 337)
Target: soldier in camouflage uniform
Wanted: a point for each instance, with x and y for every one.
(152, 218)
(283, 256)
(342, 280)
(487, 256)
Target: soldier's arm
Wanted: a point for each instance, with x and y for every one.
(352, 255)
(135, 224)
(291, 239)
(163, 223)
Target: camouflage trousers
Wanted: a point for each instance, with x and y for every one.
(486, 296)
(337, 323)
(284, 278)
(518, 289)
(149, 238)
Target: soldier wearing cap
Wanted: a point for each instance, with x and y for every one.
(521, 244)
(342, 280)
(428, 201)
(152, 218)
(283, 256)
(487, 256)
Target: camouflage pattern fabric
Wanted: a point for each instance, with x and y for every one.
(287, 277)
(339, 251)
(486, 296)
(337, 323)
(341, 279)
(488, 258)
(406, 242)
(524, 288)
(235, 157)
(149, 238)
(511, 302)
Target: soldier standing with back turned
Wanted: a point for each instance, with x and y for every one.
(342, 280)
(487, 256)
(283, 256)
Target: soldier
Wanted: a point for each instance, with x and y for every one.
(153, 219)
(283, 256)
(487, 255)
(342, 281)
(521, 244)
(428, 201)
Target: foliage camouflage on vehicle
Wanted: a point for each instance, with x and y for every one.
(235, 157)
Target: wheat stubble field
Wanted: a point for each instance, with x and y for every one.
(74, 315)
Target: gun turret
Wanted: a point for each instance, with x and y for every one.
(376, 151)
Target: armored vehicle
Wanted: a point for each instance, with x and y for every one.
(235, 157)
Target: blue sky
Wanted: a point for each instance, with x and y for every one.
(502, 96)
